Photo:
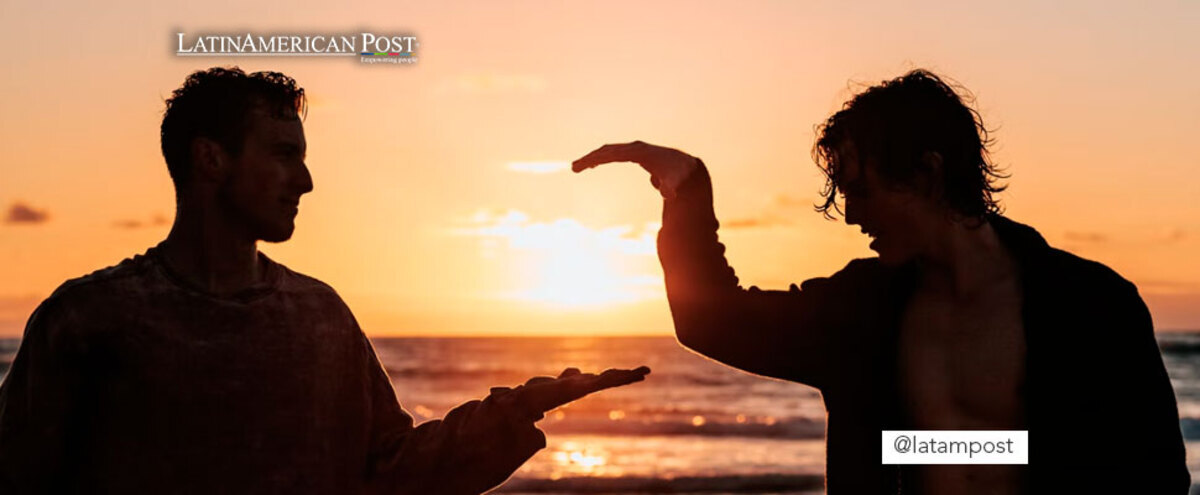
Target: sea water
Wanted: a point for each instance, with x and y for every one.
(694, 426)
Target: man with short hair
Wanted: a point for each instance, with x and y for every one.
(202, 366)
(965, 321)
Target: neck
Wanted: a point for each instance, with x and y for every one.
(210, 253)
(966, 259)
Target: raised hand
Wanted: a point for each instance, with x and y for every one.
(668, 167)
(543, 393)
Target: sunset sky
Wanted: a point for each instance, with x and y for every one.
(444, 203)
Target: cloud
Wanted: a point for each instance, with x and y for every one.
(493, 83)
(779, 212)
(753, 223)
(542, 167)
(1175, 235)
(520, 232)
(1142, 238)
(157, 220)
(1093, 237)
(22, 213)
(785, 201)
(1159, 286)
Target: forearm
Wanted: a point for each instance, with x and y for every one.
(474, 448)
(773, 333)
(699, 281)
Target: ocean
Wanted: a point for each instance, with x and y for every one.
(693, 426)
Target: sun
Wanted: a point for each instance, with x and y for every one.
(566, 264)
(573, 279)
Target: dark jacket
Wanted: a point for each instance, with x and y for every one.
(1100, 409)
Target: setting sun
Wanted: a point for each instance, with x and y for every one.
(565, 264)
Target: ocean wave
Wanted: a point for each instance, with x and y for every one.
(798, 428)
(1179, 342)
(1179, 347)
(752, 427)
(1190, 428)
(764, 483)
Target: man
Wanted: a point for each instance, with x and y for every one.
(202, 366)
(966, 320)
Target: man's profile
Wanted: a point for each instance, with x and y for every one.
(202, 366)
(965, 321)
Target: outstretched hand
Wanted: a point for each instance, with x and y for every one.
(543, 393)
(668, 167)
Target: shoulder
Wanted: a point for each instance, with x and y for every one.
(859, 274)
(86, 299)
(302, 284)
(1055, 268)
(863, 267)
(100, 286)
(1095, 309)
(870, 271)
(1078, 275)
(311, 292)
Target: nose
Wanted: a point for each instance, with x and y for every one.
(304, 181)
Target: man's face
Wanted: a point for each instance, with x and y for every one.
(897, 219)
(262, 192)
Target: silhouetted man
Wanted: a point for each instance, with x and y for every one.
(965, 321)
(202, 366)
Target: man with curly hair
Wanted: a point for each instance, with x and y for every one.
(202, 366)
(965, 321)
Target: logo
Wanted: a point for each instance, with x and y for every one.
(370, 48)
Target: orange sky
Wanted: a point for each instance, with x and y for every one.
(441, 205)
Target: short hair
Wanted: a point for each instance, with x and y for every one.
(898, 122)
(216, 104)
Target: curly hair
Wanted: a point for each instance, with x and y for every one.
(896, 124)
(216, 104)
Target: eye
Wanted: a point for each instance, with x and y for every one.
(288, 152)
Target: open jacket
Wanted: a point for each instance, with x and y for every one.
(1100, 409)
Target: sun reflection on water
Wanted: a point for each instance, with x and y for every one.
(577, 458)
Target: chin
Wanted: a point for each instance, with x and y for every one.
(277, 234)
(276, 238)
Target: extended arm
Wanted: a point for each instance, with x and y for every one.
(478, 444)
(476, 447)
(785, 334)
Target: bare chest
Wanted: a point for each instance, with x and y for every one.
(961, 365)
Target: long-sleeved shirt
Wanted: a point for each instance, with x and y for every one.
(129, 380)
(1100, 410)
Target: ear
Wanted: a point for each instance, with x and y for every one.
(209, 160)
